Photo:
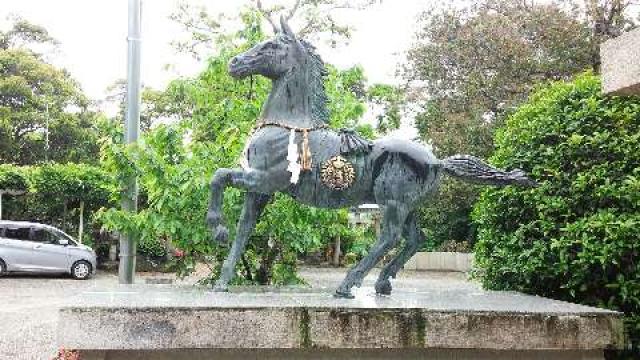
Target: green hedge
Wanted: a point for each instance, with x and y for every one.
(12, 178)
(54, 193)
(577, 236)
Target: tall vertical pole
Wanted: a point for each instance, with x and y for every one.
(130, 197)
(46, 134)
(81, 225)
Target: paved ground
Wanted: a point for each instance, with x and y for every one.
(29, 304)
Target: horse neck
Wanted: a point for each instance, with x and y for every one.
(290, 101)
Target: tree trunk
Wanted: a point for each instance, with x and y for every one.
(1, 205)
(64, 214)
(81, 226)
(336, 251)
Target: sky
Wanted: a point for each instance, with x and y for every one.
(93, 48)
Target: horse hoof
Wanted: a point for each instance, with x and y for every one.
(343, 295)
(383, 287)
(221, 235)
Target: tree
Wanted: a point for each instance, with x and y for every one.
(315, 19)
(391, 101)
(43, 113)
(64, 195)
(574, 237)
(471, 66)
(60, 190)
(153, 107)
(12, 182)
(606, 19)
(22, 34)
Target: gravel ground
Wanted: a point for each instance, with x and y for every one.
(29, 304)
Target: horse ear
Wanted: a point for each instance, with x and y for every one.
(286, 29)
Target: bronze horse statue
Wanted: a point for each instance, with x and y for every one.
(292, 150)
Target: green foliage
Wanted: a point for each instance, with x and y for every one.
(446, 217)
(71, 183)
(54, 193)
(12, 178)
(173, 181)
(24, 33)
(36, 98)
(391, 100)
(472, 66)
(345, 90)
(575, 237)
(313, 19)
(357, 246)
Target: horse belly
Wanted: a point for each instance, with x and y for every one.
(313, 192)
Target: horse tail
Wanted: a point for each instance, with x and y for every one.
(472, 169)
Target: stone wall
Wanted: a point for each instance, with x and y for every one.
(621, 64)
(440, 261)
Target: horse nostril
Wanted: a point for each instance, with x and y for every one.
(234, 61)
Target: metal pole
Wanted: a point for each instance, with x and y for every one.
(46, 134)
(130, 197)
(81, 225)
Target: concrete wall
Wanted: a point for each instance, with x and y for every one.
(440, 261)
(621, 64)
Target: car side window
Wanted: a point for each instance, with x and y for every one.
(44, 236)
(17, 233)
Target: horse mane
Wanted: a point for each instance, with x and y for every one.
(317, 71)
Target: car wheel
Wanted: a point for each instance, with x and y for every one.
(81, 270)
(3, 268)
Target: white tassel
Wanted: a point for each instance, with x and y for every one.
(292, 156)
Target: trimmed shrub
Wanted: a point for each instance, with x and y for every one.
(576, 237)
(12, 178)
(54, 193)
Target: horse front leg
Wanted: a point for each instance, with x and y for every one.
(393, 220)
(254, 204)
(222, 178)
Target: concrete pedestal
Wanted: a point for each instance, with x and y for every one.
(620, 65)
(169, 322)
(440, 261)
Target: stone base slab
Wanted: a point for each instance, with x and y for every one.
(153, 321)
(333, 354)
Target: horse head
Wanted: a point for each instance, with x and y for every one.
(271, 58)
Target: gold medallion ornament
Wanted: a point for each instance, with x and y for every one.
(337, 173)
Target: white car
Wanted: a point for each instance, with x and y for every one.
(39, 248)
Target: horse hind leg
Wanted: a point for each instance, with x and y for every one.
(413, 238)
(393, 219)
(254, 204)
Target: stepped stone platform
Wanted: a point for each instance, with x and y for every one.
(173, 322)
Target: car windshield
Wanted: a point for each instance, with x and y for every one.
(64, 235)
